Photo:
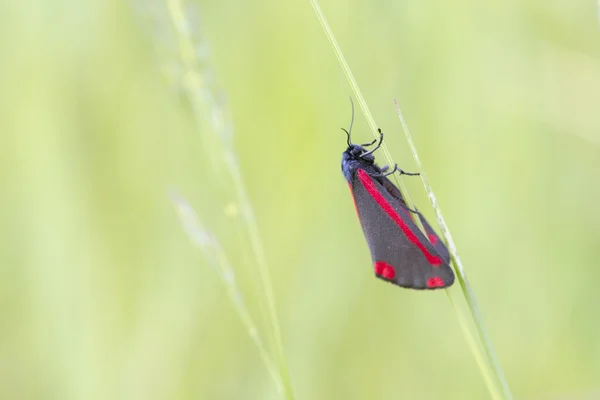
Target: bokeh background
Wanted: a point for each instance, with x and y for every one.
(102, 295)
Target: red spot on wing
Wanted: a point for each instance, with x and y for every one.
(369, 185)
(384, 270)
(435, 281)
(432, 238)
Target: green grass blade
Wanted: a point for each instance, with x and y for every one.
(361, 100)
(216, 257)
(207, 112)
(492, 367)
(487, 361)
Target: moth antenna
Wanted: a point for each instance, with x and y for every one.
(349, 131)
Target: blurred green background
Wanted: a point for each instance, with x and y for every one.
(102, 295)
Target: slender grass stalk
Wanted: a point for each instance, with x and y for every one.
(488, 364)
(468, 294)
(216, 257)
(209, 116)
(361, 100)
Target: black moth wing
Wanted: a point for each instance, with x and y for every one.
(389, 244)
(432, 236)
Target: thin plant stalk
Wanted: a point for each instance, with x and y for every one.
(487, 361)
(468, 294)
(361, 100)
(222, 153)
(216, 257)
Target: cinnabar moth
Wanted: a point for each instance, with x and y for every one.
(400, 251)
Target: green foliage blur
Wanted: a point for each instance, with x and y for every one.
(102, 295)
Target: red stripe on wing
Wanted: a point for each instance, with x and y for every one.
(369, 185)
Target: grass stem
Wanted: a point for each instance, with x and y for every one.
(469, 296)
(487, 361)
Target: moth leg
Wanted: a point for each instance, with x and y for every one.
(402, 172)
(376, 147)
(396, 169)
(369, 144)
(410, 209)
